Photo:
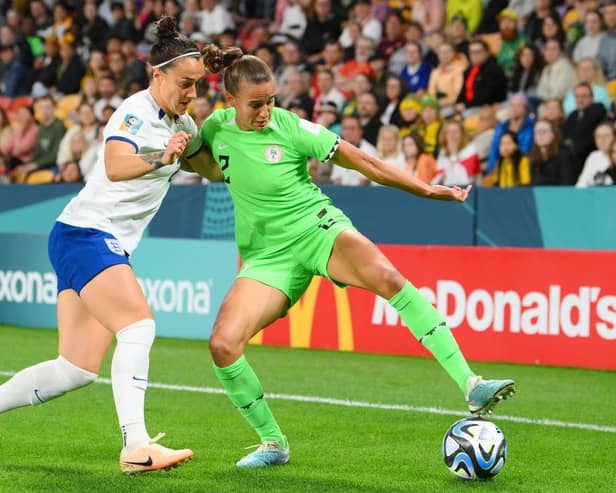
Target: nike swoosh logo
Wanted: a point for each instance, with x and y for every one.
(144, 463)
(222, 146)
(140, 379)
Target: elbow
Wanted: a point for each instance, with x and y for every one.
(112, 173)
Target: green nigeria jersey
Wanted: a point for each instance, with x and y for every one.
(267, 175)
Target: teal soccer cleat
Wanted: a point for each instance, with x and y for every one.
(482, 395)
(269, 453)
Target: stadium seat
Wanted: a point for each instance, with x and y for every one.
(66, 106)
(493, 41)
(611, 88)
(40, 176)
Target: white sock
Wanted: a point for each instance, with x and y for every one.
(42, 382)
(129, 379)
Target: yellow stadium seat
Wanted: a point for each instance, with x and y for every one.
(40, 176)
(493, 40)
(611, 88)
(67, 105)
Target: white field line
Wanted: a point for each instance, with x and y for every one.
(372, 405)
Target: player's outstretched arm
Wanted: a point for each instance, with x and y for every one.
(380, 172)
(203, 163)
(123, 163)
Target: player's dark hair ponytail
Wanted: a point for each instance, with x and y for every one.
(170, 44)
(236, 66)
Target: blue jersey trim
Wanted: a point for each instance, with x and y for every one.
(123, 139)
(193, 154)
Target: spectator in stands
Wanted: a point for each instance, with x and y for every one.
(579, 127)
(608, 177)
(370, 27)
(267, 53)
(378, 65)
(557, 75)
(484, 80)
(352, 133)
(512, 167)
(50, 133)
(430, 14)
(202, 108)
(551, 162)
(418, 163)
(520, 123)
(326, 89)
(416, 72)
(86, 125)
(327, 115)
(512, 40)
(471, 10)
(292, 61)
(458, 162)
(322, 27)
(18, 147)
(97, 65)
(394, 91)
(433, 43)
(122, 27)
(527, 72)
(94, 28)
(14, 77)
(108, 96)
(458, 35)
(430, 125)
(397, 61)
(332, 56)
(369, 116)
(122, 75)
(5, 129)
(551, 28)
(410, 110)
(534, 22)
(607, 45)
(364, 48)
(588, 70)
(71, 68)
(293, 22)
(599, 160)
(552, 111)
(388, 146)
(42, 19)
(588, 45)
(482, 140)
(394, 35)
(136, 66)
(297, 85)
(62, 19)
(523, 7)
(90, 156)
(70, 172)
(447, 78)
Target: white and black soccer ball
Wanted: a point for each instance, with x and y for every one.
(474, 448)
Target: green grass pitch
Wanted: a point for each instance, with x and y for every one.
(72, 444)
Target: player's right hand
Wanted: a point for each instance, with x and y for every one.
(175, 147)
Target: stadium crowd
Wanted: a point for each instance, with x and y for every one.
(489, 92)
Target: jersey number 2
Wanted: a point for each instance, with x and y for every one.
(224, 162)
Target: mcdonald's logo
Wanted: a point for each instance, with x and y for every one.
(301, 318)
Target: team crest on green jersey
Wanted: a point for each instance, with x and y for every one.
(273, 154)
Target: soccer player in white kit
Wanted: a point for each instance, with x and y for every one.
(146, 140)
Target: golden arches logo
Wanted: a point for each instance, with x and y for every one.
(301, 318)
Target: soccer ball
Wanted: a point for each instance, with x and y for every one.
(474, 448)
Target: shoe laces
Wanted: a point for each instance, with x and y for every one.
(265, 446)
(156, 438)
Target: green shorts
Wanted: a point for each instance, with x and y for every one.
(291, 269)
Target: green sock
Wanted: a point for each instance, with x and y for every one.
(246, 393)
(427, 325)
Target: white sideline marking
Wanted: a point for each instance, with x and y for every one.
(372, 405)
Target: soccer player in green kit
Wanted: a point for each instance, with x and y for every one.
(287, 231)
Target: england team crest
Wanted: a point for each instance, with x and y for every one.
(273, 154)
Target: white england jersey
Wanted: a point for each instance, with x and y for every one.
(125, 208)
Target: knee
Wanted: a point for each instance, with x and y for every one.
(225, 348)
(390, 281)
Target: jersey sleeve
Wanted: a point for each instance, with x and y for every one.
(312, 139)
(209, 127)
(195, 144)
(127, 126)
